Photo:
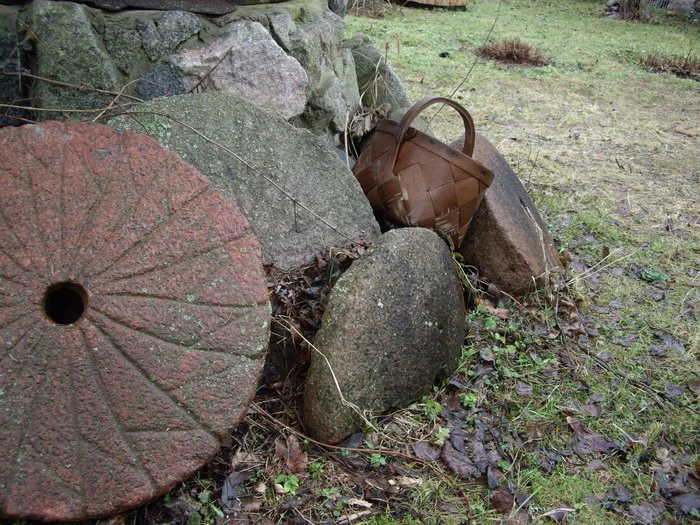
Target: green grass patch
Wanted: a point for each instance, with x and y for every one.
(608, 150)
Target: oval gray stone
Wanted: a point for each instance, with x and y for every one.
(251, 155)
(394, 325)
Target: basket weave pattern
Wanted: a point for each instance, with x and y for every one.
(415, 180)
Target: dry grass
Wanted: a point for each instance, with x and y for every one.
(369, 8)
(681, 66)
(513, 52)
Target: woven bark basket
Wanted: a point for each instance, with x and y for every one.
(413, 179)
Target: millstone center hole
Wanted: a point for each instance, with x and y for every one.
(65, 303)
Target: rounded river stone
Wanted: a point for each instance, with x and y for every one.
(134, 320)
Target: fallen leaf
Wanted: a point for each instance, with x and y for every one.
(452, 403)
(425, 450)
(686, 503)
(459, 463)
(481, 458)
(289, 452)
(586, 442)
(674, 390)
(671, 342)
(590, 409)
(596, 465)
(695, 387)
(493, 476)
(642, 514)
(646, 512)
(619, 493)
(407, 482)
(523, 389)
(487, 355)
(502, 501)
(657, 351)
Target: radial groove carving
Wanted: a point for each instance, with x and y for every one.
(134, 318)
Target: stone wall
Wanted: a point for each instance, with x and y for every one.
(285, 56)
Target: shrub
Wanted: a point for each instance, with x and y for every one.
(682, 66)
(514, 52)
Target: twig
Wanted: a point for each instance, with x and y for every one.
(261, 411)
(75, 86)
(343, 400)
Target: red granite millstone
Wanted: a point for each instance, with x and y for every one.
(154, 347)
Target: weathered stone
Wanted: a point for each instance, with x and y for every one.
(681, 7)
(283, 157)
(420, 123)
(316, 44)
(394, 324)
(345, 68)
(122, 41)
(165, 80)
(247, 62)
(69, 52)
(376, 79)
(327, 109)
(11, 88)
(208, 7)
(134, 320)
(338, 7)
(281, 27)
(507, 241)
(161, 36)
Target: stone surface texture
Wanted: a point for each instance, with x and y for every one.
(247, 62)
(208, 7)
(394, 324)
(507, 241)
(102, 411)
(160, 37)
(291, 158)
(377, 82)
(681, 7)
(70, 52)
(132, 52)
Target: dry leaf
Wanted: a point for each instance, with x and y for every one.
(459, 463)
(289, 452)
(502, 501)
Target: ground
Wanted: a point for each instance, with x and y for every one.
(578, 403)
(575, 404)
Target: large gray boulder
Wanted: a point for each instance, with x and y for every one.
(247, 62)
(377, 81)
(257, 159)
(508, 241)
(394, 325)
(70, 52)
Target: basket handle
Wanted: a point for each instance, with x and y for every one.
(418, 107)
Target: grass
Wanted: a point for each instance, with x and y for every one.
(582, 397)
(608, 150)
